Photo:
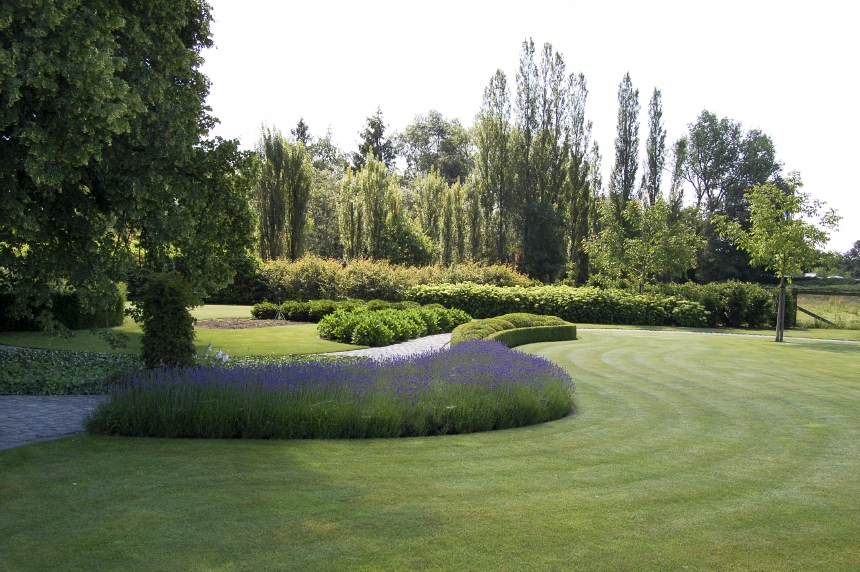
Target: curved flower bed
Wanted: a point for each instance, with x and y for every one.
(476, 386)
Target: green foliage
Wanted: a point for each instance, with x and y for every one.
(488, 327)
(779, 237)
(168, 327)
(366, 327)
(643, 244)
(104, 105)
(282, 195)
(730, 304)
(47, 372)
(71, 309)
(311, 278)
(583, 305)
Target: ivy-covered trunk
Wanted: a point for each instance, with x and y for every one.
(780, 312)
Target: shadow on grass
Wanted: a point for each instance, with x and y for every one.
(846, 347)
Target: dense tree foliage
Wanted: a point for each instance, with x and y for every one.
(434, 142)
(104, 150)
(282, 195)
(375, 142)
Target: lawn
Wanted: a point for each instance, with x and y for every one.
(687, 452)
(277, 340)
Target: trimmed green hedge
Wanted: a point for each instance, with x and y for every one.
(68, 309)
(493, 328)
(533, 335)
(589, 305)
(366, 327)
(316, 310)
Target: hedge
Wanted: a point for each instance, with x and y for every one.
(315, 278)
(366, 327)
(733, 304)
(589, 305)
(533, 335)
(68, 309)
(494, 328)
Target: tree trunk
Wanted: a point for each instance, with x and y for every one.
(780, 312)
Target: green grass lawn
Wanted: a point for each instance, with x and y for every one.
(278, 340)
(687, 452)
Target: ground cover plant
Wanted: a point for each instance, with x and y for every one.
(687, 452)
(477, 386)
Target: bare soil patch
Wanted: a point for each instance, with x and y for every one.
(242, 323)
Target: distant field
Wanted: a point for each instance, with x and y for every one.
(844, 311)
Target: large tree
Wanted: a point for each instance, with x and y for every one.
(104, 152)
(779, 238)
(375, 142)
(434, 142)
(493, 174)
(655, 151)
(622, 181)
(282, 195)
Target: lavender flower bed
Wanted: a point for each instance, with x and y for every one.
(476, 386)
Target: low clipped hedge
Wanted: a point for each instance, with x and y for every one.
(366, 327)
(542, 327)
(316, 310)
(521, 336)
(589, 305)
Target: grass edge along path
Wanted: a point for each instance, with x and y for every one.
(686, 453)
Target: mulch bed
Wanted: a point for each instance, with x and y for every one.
(242, 323)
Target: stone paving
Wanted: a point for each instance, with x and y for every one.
(32, 418)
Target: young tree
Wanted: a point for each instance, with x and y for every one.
(650, 246)
(623, 178)
(779, 238)
(655, 151)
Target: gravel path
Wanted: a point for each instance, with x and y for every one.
(32, 418)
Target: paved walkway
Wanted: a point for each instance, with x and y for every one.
(32, 418)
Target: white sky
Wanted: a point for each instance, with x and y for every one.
(787, 68)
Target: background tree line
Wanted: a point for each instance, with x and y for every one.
(524, 185)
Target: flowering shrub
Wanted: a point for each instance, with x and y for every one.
(476, 386)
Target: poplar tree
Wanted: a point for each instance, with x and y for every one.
(655, 151)
(622, 181)
(493, 167)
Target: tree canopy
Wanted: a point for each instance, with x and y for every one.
(104, 150)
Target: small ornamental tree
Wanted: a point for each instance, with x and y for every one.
(655, 246)
(779, 238)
